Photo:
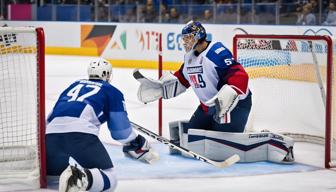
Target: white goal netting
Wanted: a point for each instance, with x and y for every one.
(19, 108)
(293, 86)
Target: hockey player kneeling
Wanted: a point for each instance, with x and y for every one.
(216, 129)
(72, 133)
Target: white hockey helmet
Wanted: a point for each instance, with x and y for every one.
(100, 69)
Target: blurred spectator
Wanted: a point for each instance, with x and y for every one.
(306, 17)
(315, 6)
(226, 1)
(164, 13)
(130, 15)
(68, 1)
(166, 18)
(174, 16)
(149, 14)
(207, 17)
(102, 10)
(331, 17)
(226, 14)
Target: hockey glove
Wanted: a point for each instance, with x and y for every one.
(149, 89)
(171, 86)
(139, 148)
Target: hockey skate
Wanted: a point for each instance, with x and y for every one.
(73, 179)
(289, 158)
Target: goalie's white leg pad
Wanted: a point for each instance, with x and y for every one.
(197, 141)
(174, 132)
(280, 147)
(178, 135)
(251, 147)
(218, 145)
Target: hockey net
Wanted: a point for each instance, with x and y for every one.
(22, 156)
(293, 85)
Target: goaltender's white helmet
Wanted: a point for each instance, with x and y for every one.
(100, 69)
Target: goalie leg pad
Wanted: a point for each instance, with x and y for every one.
(280, 149)
(174, 132)
(178, 135)
(251, 147)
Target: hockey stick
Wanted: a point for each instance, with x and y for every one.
(221, 164)
(318, 73)
(146, 80)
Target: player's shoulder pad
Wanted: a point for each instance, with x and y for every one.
(220, 55)
(113, 91)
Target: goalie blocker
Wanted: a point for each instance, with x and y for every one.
(215, 145)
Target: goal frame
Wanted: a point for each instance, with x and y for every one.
(328, 99)
(41, 100)
(40, 95)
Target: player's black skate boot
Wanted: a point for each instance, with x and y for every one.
(73, 179)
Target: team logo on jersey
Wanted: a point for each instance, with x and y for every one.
(193, 70)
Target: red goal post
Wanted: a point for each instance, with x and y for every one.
(22, 108)
(292, 79)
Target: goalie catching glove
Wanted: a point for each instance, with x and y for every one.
(139, 148)
(151, 90)
(225, 101)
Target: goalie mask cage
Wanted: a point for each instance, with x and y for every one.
(293, 85)
(22, 103)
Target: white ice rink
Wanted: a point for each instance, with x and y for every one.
(178, 174)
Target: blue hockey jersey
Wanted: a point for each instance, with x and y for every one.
(85, 105)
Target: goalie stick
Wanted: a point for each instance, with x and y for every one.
(221, 164)
(145, 80)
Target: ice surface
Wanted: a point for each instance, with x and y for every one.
(179, 174)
